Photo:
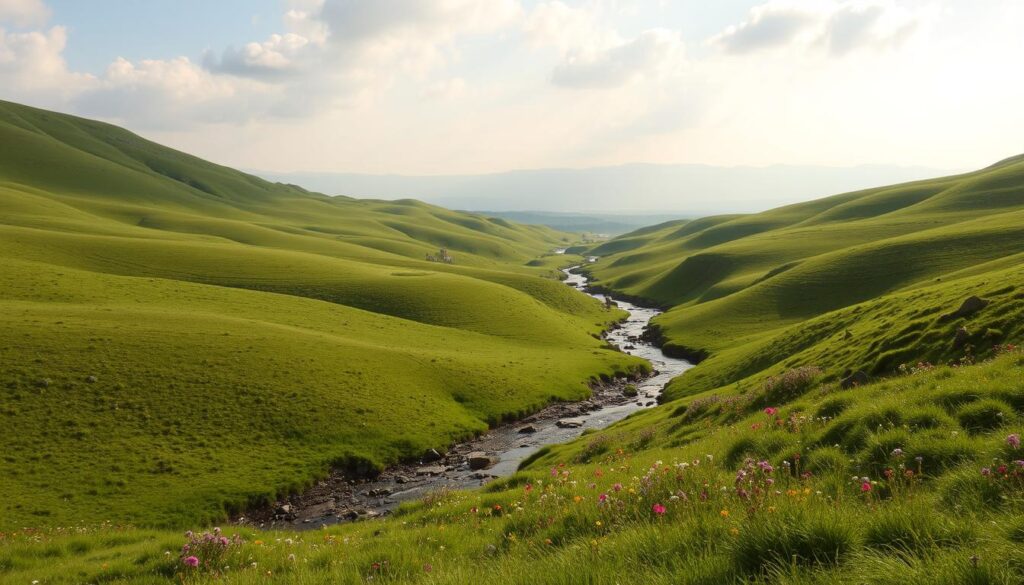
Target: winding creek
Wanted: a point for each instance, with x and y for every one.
(339, 499)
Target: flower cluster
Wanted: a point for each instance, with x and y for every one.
(207, 551)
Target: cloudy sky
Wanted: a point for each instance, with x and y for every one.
(474, 86)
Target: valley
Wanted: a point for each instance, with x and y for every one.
(211, 378)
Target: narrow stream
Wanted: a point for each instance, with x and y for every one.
(338, 499)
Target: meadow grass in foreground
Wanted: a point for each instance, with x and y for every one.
(919, 479)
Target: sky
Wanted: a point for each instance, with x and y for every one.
(425, 87)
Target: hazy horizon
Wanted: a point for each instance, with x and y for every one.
(632, 189)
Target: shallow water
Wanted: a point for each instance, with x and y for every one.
(333, 500)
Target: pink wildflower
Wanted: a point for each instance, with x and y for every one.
(191, 561)
(658, 509)
(771, 411)
(865, 487)
(1013, 440)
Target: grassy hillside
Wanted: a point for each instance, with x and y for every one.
(181, 340)
(167, 360)
(916, 480)
(852, 282)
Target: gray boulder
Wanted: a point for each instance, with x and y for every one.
(858, 378)
(480, 460)
(970, 306)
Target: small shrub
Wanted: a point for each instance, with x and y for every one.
(833, 407)
(827, 461)
(630, 391)
(985, 415)
(787, 386)
(883, 418)
(939, 451)
(914, 528)
(968, 490)
(795, 537)
(594, 448)
(847, 432)
(928, 417)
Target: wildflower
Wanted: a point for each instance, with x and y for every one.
(986, 471)
(734, 531)
(658, 509)
(258, 542)
(427, 567)
(291, 557)
(617, 487)
(1013, 440)
(191, 561)
(602, 498)
(771, 411)
(598, 524)
(865, 487)
(577, 499)
(528, 488)
(897, 452)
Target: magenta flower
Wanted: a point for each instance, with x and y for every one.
(602, 498)
(191, 561)
(865, 487)
(658, 509)
(771, 411)
(1013, 440)
(617, 487)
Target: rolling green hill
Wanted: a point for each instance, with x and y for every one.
(857, 281)
(168, 359)
(181, 340)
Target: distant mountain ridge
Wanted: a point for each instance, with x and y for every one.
(592, 223)
(690, 190)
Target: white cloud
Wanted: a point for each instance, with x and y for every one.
(594, 55)
(163, 94)
(32, 67)
(24, 13)
(340, 53)
(278, 56)
(556, 24)
(838, 26)
(653, 54)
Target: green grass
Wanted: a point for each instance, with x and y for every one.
(182, 341)
(766, 292)
(946, 522)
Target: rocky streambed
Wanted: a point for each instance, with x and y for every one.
(341, 498)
